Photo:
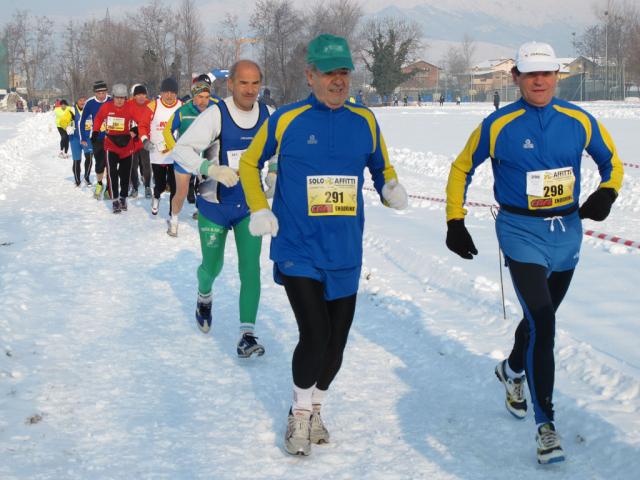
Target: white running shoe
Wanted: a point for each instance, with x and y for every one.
(296, 438)
(549, 448)
(155, 203)
(319, 433)
(515, 400)
(172, 231)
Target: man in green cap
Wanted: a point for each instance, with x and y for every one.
(322, 145)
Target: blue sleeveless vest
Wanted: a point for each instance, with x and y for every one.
(233, 140)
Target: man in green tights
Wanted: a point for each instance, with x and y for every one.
(228, 126)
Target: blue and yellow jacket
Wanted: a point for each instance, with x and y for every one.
(309, 139)
(89, 112)
(521, 138)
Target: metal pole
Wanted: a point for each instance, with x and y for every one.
(606, 55)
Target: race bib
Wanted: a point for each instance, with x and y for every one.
(233, 158)
(332, 195)
(88, 124)
(115, 124)
(550, 188)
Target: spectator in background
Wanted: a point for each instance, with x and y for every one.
(496, 100)
(266, 98)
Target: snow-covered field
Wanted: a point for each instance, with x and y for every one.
(104, 375)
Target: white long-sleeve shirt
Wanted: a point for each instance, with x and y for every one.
(204, 132)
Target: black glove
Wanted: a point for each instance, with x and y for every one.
(147, 145)
(94, 137)
(598, 205)
(458, 239)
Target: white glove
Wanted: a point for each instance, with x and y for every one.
(223, 174)
(395, 195)
(270, 180)
(263, 222)
(70, 130)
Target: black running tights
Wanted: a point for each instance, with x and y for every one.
(323, 327)
(118, 169)
(64, 140)
(540, 296)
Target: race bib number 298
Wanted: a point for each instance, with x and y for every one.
(332, 195)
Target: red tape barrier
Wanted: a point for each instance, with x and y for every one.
(589, 233)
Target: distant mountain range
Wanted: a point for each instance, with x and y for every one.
(493, 35)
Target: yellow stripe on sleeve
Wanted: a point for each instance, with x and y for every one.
(168, 134)
(617, 172)
(249, 173)
(389, 172)
(285, 120)
(497, 126)
(457, 181)
(580, 117)
(371, 121)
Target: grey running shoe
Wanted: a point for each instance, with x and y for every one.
(116, 207)
(548, 441)
(147, 192)
(319, 433)
(247, 346)
(172, 229)
(123, 204)
(155, 204)
(134, 193)
(296, 439)
(515, 401)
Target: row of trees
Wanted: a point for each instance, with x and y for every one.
(614, 44)
(158, 41)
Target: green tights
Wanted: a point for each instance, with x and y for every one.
(212, 241)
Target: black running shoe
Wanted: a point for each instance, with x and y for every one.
(116, 207)
(123, 204)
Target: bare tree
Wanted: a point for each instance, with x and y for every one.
(72, 60)
(12, 37)
(277, 24)
(338, 17)
(190, 36)
(31, 47)
(156, 24)
(227, 42)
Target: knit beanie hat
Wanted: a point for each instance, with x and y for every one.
(119, 90)
(169, 85)
(138, 89)
(99, 85)
(199, 87)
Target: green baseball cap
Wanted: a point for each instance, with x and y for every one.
(329, 52)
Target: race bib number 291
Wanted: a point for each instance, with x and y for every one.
(332, 195)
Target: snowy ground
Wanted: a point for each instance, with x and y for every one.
(103, 373)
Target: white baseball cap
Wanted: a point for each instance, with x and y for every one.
(536, 57)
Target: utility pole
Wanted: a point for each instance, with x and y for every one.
(606, 54)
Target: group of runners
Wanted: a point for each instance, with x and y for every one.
(310, 157)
